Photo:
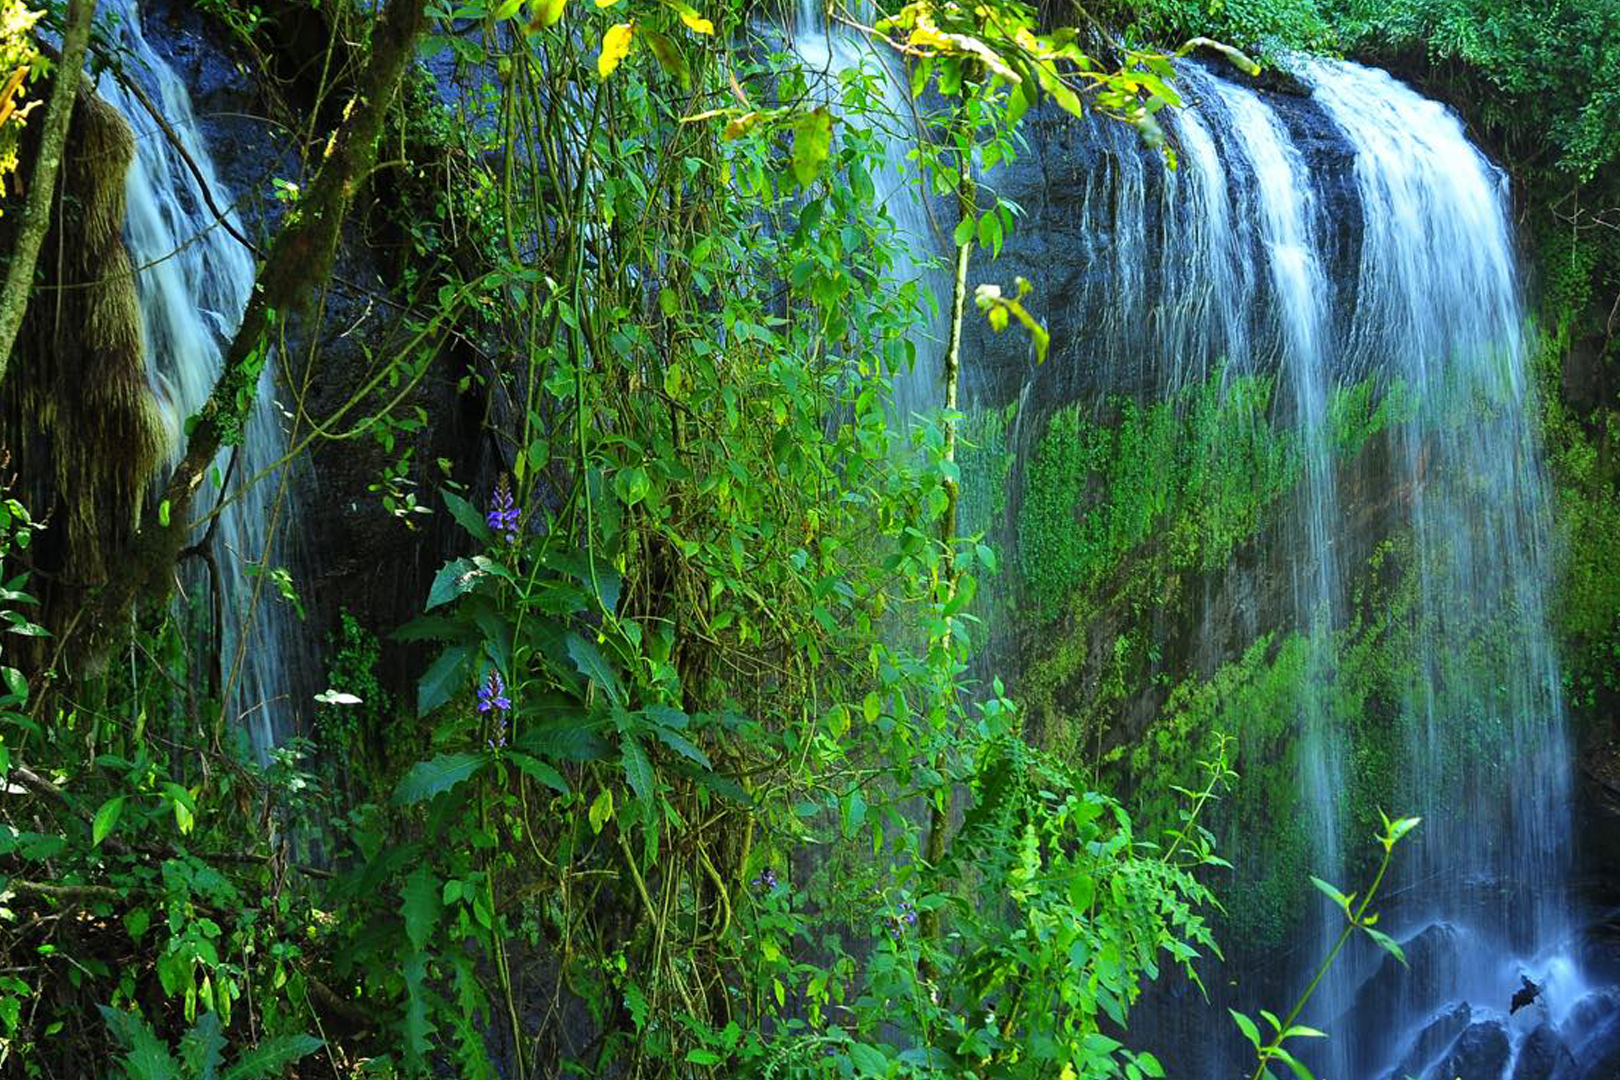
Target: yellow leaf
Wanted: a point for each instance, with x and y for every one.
(741, 125)
(696, 23)
(615, 47)
(543, 13)
(606, 3)
(929, 37)
(506, 9)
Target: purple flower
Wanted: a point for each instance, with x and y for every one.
(905, 917)
(766, 880)
(503, 512)
(492, 695)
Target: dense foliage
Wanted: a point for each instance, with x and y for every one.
(695, 781)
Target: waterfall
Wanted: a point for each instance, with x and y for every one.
(193, 279)
(1346, 242)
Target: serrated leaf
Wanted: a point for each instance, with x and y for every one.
(148, 1058)
(106, 819)
(454, 579)
(683, 746)
(202, 1048)
(638, 768)
(271, 1057)
(423, 897)
(594, 666)
(418, 1024)
(441, 678)
(428, 778)
(539, 771)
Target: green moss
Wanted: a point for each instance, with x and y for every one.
(1190, 475)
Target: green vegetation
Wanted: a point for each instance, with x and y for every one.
(705, 768)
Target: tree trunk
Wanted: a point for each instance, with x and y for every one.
(37, 210)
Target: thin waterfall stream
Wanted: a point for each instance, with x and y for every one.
(193, 280)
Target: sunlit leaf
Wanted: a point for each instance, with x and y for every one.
(812, 140)
(615, 47)
(1246, 1026)
(106, 819)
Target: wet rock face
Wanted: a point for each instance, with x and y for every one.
(1394, 994)
(1480, 1053)
(1436, 1036)
(1542, 1055)
(1095, 241)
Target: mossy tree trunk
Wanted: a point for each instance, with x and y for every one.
(300, 260)
(37, 211)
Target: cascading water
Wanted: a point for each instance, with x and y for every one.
(1342, 237)
(193, 279)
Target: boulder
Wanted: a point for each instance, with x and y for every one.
(1542, 1055)
(1395, 993)
(1440, 1032)
(1480, 1053)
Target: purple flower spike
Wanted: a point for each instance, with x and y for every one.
(503, 511)
(492, 695)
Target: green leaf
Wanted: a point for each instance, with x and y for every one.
(539, 771)
(637, 767)
(429, 778)
(594, 666)
(631, 484)
(203, 1048)
(1387, 943)
(453, 579)
(812, 140)
(699, 1056)
(1246, 1026)
(1237, 57)
(468, 517)
(271, 1057)
(601, 809)
(681, 745)
(423, 897)
(418, 1022)
(1338, 898)
(1300, 1071)
(868, 1060)
(106, 819)
(441, 678)
(964, 232)
(148, 1058)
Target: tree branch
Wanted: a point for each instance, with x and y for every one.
(299, 261)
